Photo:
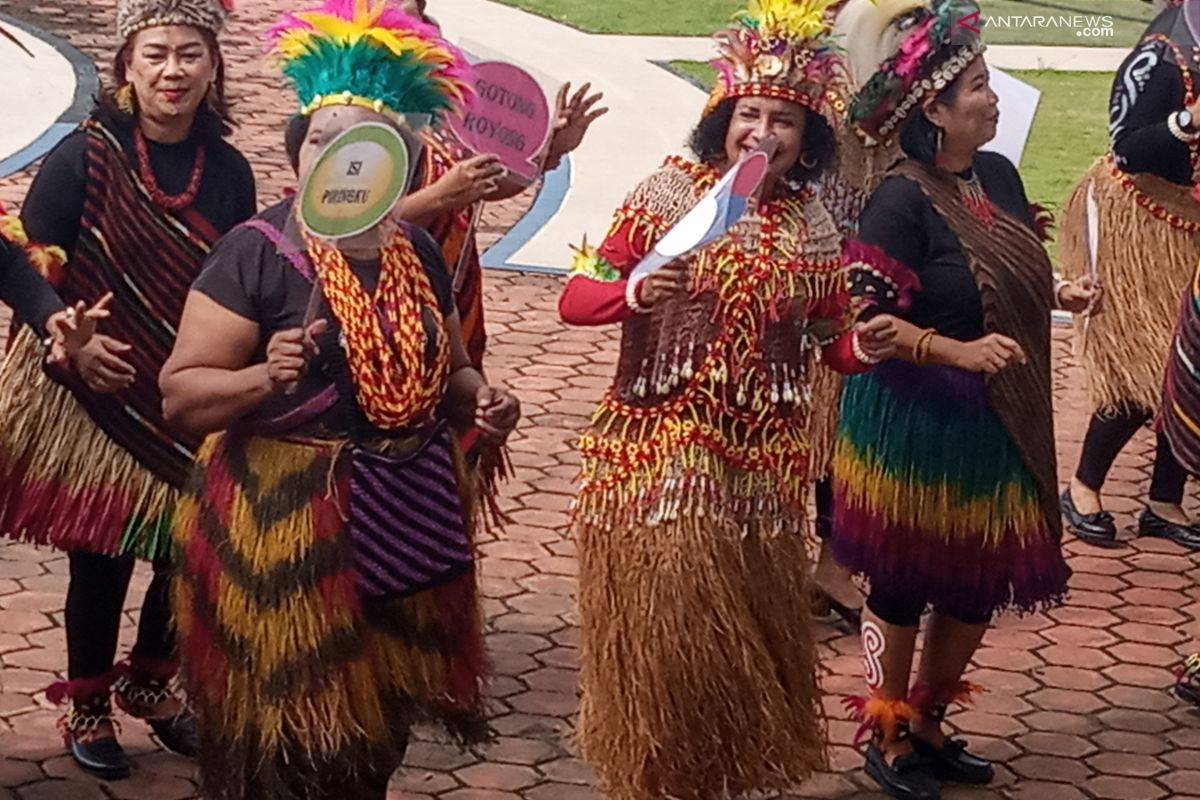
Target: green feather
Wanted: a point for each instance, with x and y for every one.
(403, 83)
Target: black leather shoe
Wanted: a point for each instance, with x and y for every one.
(909, 777)
(178, 734)
(104, 758)
(1098, 529)
(952, 763)
(1151, 524)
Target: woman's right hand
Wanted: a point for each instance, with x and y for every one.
(990, 354)
(100, 364)
(663, 283)
(288, 354)
(470, 181)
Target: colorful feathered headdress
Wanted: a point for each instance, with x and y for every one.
(365, 53)
(941, 39)
(783, 49)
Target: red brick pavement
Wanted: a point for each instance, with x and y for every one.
(1078, 707)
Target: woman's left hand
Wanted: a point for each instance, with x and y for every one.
(497, 412)
(575, 116)
(877, 337)
(1081, 295)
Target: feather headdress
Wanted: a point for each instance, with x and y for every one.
(941, 40)
(365, 53)
(783, 49)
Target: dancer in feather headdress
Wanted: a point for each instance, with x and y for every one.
(698, 657)
(327, 593)
(945, 494)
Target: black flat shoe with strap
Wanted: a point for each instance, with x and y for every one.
(953, 763)
(1151, 524)
(908, 777)
(141, 695)
(1099, 529)
(102, 757)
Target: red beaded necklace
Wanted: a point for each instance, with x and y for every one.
(170, 202)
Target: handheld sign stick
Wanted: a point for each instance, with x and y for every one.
(353, 186)
(715, 214)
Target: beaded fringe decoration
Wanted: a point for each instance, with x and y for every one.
(1148, 250)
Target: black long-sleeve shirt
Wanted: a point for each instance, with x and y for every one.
(23, 289)
(900, 220)
(1147, 89)
(54, 206)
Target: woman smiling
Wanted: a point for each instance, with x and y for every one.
(698, 657)
(136, 199)
(945, 465)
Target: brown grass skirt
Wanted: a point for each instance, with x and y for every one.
(1144, 263)
(699, 662)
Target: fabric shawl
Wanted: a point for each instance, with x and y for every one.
(1014, 276)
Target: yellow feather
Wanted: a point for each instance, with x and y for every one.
(791, 19)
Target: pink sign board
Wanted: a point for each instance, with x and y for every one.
(510, 117)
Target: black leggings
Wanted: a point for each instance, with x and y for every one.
(95, 602)
(1107, 435)
(905, 609)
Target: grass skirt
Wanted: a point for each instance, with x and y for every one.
(933, 498)
(1148, 248)
(295, 678)
(698, 658)
(64, 481)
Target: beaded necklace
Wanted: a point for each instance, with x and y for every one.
(170, 202)
(385, 336)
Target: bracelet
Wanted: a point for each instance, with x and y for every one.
(631, 295)
(923, 345)
(1177, 130)
(1059, 283)
(859, 353)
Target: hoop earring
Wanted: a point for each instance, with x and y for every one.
(807, 164)
(212, 98)
(937, 140)
(124, 98)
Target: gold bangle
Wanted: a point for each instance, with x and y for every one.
(923, 345)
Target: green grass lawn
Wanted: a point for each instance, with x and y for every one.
(702, 17)
(1069, 131)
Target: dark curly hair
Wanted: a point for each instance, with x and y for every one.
(213, 120)
(819, 146)
(919, 136)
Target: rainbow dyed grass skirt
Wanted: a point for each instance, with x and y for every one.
(933, 499)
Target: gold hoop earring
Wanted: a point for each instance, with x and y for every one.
(123, 97)
(807, 164)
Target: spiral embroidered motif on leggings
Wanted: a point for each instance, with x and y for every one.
(873, 647)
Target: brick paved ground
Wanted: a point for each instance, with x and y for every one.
(1078, 707)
